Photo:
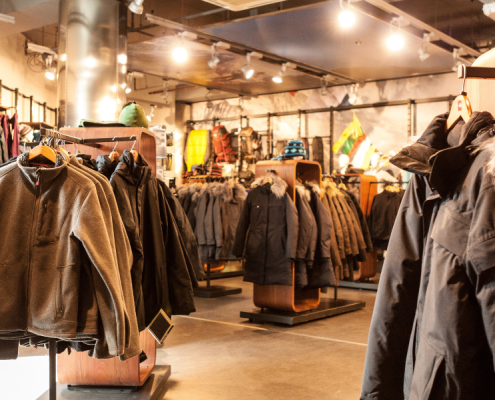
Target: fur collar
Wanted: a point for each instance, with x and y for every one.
(303, 191)
(331, 189)
(183, 191)
(315, 188)
(278, 187)
(229, 193)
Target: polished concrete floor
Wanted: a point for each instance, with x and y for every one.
(216, 355)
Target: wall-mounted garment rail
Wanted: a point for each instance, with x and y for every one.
(411, 116)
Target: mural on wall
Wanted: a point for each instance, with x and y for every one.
(386, 127)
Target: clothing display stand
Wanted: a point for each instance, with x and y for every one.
(282, 303)
(214, 291)
(83, 374)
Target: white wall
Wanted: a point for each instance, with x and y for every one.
(15, 73)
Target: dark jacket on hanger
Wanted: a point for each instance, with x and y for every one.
(199, 231)
(4, 151)
(334, 249)
(360, 218)
(306, 238)
(432, 335)
(213, 190)
(321, 274)
(226, 212)
(185, 230)
(384, 210)
(267, 234)
(105, 166)
(317, 145)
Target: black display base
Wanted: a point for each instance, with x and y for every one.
(226, 274)
(327, 308)
(215, 291)
(153, 389)
(359, 285)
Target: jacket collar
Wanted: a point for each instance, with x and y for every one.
(233, 194)
(418, 157)
(277, 187)
(33, 173)
(105, 165)
(131, 171)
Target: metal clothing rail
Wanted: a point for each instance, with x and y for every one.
(88, 142)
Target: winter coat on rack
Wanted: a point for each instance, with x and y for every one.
(226, 212)
(267, 233)
(384, 210)
(185, 230)
(188, 199)
(321, 274)
(334, 249)
(137, 194)
(199, 231)
(306, 238)
(60, 210)
(213, 190)
(432, 335)
(4, 152)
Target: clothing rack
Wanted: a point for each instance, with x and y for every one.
(282, 303)
(80, 372)
(210, 291)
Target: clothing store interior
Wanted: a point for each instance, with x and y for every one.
(247, 199)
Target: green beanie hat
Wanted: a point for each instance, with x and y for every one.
(132, 114)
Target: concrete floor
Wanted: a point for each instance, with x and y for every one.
(215, 354)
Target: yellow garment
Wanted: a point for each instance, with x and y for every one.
(197, 144)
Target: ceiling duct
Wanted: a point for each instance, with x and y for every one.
(240, 5)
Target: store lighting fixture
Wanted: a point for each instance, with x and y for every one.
(352, 92)
(165, 92)
(137, 6)
(212, 63)
(122, 58)
(346, 16)
(152, 113)
(423, 51)
(179, 54)
(209, 103)
(246, 69)
(324, 84)
(90, 62)
(50, 72)
(128, 90)
(279, 77)
(395, 41)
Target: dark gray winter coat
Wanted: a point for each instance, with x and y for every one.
(226, 212)
(267, 234)
(432, 334)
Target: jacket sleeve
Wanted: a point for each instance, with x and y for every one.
(292, 227)
(242, 230)
(396, 301)
(480, 256)
(88, 228)
(217, 222)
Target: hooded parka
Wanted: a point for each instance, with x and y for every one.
(267, 233)
(432, 335)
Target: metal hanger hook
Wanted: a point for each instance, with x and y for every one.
(115, 143)
(132, 148)
(463, 69)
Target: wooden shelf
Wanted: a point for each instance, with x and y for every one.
(37, 125)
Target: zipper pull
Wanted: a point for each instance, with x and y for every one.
(38, 180)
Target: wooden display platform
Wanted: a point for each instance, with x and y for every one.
(326, 308)
(153, 389)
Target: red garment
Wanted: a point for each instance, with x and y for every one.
(14, 139)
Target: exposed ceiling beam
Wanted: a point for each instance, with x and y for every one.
(382, 4)
(239, 48)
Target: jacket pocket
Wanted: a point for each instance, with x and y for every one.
(67, 292)
(451, 230)
(426, 383)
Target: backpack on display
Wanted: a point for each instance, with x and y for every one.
(250, 145)
(221, 144)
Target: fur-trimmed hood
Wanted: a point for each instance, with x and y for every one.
(278, 187)
(315, 188)
(331, 188)
(229, 193)
(303, 191)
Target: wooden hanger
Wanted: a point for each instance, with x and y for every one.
(461, 107)
(134, 153)
(43, 150)
(114, 155)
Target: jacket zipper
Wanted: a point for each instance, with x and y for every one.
(31, 245)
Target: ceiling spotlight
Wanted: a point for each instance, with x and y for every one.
(346, 16)
(137, 6)
(246, 69)
(50, 73)
(212, 63)
(423, 51)
(324, 90)
(279, 77)
(179, 53)
(395, 41)
(128, 90)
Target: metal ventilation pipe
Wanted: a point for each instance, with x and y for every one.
(92, 62)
